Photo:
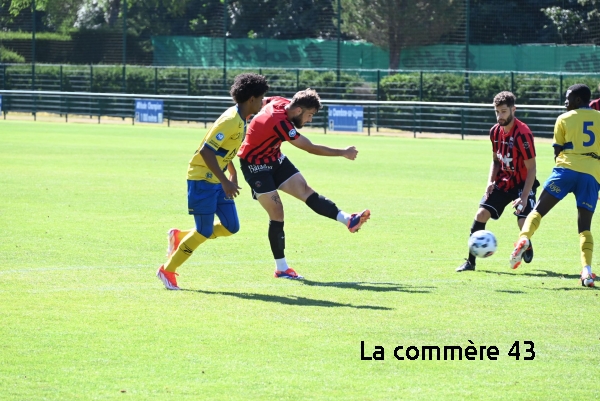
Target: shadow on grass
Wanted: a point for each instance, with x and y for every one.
(541, 273)
(511, 291)
(299, 301)
(362, 286)
(574, 288)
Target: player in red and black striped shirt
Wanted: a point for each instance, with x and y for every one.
(267, 170)
(595, 104)
(512, 173)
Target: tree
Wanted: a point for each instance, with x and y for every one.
(278, 19)
(510, 22)
(397, 24)
(579, 22)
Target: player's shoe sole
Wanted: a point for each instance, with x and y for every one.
(516, 256)
(290, 274)
(172, 237)
(168, 279)
(358, 219)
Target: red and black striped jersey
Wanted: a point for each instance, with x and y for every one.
(512, 149)
(266, 132)
(595, 104)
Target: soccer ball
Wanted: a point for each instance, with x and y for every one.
(482, 244)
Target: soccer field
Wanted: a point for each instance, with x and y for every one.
(83, 220)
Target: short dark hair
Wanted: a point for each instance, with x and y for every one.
(505, 97)
(247, 85)
(582, 91)
(307, 99)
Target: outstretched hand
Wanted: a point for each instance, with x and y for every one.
(350, 152)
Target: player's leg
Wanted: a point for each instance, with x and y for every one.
(272, 203)
(203, 230)
(292, 182)
(481, 218)
(556, 187)
(174, 237)
(586, 195)
(546, 202)
(490, 206)
(522, 215)
(263, 187)
(229, 222)
(202, 203)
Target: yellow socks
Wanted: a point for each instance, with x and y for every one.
(587, 248)
(187, 246)
(219, 230)
(532, 222)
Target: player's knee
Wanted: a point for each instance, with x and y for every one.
(233, 227)
(205, 231)
(483, 215)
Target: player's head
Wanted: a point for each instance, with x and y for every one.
(577, 95)
(304, 105)
(504, 104)
(249, 88)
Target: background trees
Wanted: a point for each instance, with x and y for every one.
(391, 24)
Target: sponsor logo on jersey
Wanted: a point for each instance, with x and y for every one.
(258, 184)
(209, 175)
(526, 145)
(292, 133)
(220, 136)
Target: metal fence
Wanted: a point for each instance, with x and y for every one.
(383, 85)
(379, 116)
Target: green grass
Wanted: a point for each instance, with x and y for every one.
(83, 217)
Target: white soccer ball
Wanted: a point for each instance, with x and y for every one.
(482, 244)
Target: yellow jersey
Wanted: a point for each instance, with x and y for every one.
(224, 138)
(578, 133)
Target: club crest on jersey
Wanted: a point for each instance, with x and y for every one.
(209, 175)
(220, 136)
(292, 133)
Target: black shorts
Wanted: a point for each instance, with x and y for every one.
(264, 178)
(499, 199)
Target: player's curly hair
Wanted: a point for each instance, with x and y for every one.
(581, 90)
(505, 98)
(307, 99)
(247, 85)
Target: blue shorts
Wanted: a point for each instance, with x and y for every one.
(205, 197)
(584, 186)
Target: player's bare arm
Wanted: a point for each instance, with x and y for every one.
(232, 173)
(230, 188)
(321, 150)
(521, 202)
(494, 168)
(557, 150)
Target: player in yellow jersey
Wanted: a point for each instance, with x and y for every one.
(577, 170)
(210, 192)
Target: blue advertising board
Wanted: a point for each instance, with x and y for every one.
(0, 103)
(345, 118)
(148, 111)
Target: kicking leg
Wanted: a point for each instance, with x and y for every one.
(298, 188)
